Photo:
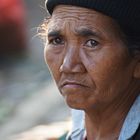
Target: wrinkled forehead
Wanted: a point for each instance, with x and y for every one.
(70, 11)
(78, 14)
(78, 17)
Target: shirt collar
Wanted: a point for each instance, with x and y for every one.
(131, 122)
(129, 127)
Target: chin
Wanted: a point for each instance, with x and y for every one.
(76, 107)
(74, 103)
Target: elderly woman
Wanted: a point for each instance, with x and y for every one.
(93, 53)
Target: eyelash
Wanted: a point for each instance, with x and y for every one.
(59, 41)
(54, 40)
(93, 44)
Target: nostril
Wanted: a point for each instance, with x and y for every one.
(65, 67)
(72, 62)
(75, 68)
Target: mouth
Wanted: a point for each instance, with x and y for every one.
(73, 84)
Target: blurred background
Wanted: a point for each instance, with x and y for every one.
(28, 96)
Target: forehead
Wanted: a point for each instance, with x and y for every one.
(74, 18)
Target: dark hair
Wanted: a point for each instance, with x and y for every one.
(133, 44)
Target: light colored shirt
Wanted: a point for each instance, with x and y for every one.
(129, 127)
(131, 122)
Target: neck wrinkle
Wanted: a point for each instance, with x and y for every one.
(103, 126)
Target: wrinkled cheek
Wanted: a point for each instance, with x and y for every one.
(52, 61)
(99, 76)
(49, 57)
(46, 54)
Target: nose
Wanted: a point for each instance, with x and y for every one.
(72, 62)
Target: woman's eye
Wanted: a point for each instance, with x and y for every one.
(91, 43)
(56, 41)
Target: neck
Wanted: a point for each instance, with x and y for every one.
(106, 123)
(103, 127)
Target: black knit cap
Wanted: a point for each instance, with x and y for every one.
(125, 12)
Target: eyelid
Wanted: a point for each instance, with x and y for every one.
(91, 39)
(91, 46)
(51, 39)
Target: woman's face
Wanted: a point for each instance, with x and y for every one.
(87, 58)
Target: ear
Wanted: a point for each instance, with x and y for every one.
(137, 68)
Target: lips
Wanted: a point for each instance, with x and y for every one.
(72, 84)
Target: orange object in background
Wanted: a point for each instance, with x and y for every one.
(12, 26)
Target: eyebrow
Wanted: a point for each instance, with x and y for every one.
(87, 32)
(54, 33)
(79, 32)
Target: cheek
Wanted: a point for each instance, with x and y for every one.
(53, 62)
(107, 70)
